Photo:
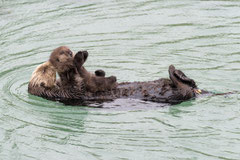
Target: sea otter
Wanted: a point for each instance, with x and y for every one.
(43, 81)
(174, 90)
(74, 74)
(74, 77)
(71, 85)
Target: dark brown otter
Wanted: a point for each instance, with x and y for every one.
(79, 76)
(174, 90)
(77, 83)
(74, 78)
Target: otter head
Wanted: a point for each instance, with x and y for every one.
(62, 59)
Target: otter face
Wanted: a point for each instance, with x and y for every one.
(62, 59)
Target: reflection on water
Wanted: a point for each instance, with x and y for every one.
(136, 41)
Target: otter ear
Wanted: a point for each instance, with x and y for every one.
(100, 73)
(182, 77)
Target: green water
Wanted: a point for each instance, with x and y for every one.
(136, 41)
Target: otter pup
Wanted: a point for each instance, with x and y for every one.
(73, 74)
(79, 76)
(71, 85)
(43, 81)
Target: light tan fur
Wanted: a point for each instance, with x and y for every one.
(44, 75)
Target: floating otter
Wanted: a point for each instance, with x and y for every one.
(43, 81)
(79, 76)
(71, 85)
(174, 90)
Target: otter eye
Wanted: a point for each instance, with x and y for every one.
(70, 53)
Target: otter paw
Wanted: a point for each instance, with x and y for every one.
(100, 73)
(112, 79)
(80, 58)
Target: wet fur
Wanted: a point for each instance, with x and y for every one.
(174, 90)
(76, 83)
(93, 82)
(70, 85)
(44, 75)
(171, 90)
(43, 81)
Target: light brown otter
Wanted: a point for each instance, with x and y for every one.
(43, 81)
(70, 85)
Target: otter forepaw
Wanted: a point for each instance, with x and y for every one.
(80, 58)
(100, 73)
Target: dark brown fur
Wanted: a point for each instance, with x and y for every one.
(71, 76)
(173, 90)
(93, 82)
(99, 88)
(77, 83)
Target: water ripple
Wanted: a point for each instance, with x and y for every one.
(136, 41)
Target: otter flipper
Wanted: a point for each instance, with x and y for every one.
(184, 86)
(177, 76)
(182, 77)
(100, 73)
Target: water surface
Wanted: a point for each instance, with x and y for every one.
(136, 41)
